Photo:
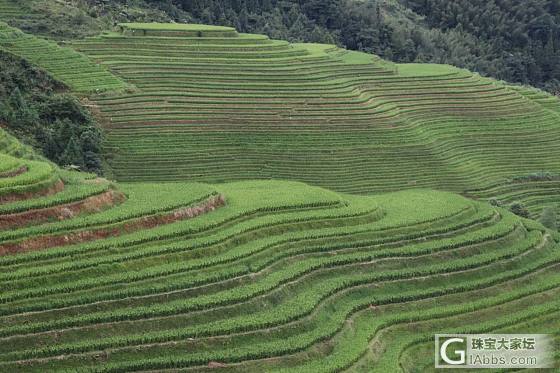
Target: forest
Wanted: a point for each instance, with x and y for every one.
(512, 40)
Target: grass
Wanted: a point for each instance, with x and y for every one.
(283, 263)
(10, 9)
(174, 27)
(415, 70)
(22, 172)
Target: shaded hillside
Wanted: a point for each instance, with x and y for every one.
(516, 40)
(244, 106)
(36, 102)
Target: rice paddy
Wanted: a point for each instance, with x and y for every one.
(275, 210)
(244, 107)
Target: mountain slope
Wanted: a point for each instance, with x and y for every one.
(241, 106)
(513, 40)
(270, 275)
(244, 107)
(128, 277)
(66, 65)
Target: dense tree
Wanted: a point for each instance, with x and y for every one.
(35, 108)
(520, 37)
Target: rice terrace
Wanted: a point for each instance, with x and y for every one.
(268, 206)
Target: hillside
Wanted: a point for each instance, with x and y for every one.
(241, 106)
(127, 277)
(267, 206)
(210, 106)
(66, 65)
(513, 40)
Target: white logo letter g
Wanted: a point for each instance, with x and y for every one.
(461, 353)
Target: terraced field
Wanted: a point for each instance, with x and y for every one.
(272, 275)
(224, 108)
(191, 276)
(64, 64)
(13, 9)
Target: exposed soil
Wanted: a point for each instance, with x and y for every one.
(58, 186)
(147, 222)
(215, 364)
(17, 172)
(61, 212)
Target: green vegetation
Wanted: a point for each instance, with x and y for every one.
(14, 9)
(175, 29)
(275, 209)
(213, 109)
(36, 109)
(424, 69)
(513, 40)
(36, 172)
(548, 218)
(64, 64)
(177, 124)
(63, 20)
(154, 26)
(166, 280)
(11, 146)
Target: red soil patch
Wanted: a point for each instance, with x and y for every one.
(146, 222)
(56, 187)
(17, 172)
(62, 212)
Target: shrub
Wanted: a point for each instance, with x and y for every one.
(519, 209)
(548, 218)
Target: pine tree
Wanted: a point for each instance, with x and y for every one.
(72, 154)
